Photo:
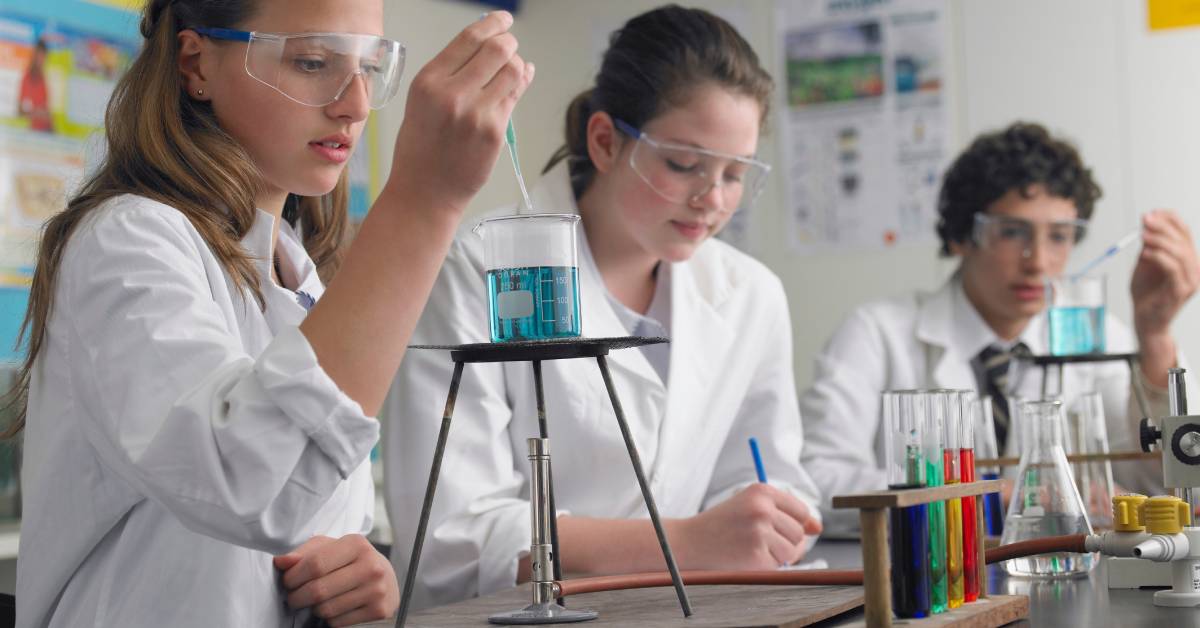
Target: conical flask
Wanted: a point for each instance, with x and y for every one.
(1045, 501)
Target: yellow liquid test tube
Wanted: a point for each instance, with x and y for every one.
(954, 552)
(956, 402)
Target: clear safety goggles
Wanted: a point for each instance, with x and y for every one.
(316, 69)
(1017, 235)
(682, 173)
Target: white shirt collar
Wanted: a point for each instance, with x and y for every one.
(973, 334)
(297, 270)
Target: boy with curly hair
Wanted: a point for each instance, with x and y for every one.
(1012, 208)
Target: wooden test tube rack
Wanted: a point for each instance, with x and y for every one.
(877, 576)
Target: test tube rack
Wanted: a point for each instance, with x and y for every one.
(986, 612)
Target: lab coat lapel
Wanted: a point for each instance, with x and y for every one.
(282, 309)
(946, 366)
(700, 342)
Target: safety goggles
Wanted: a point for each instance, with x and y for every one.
(682, 173)
(315, 69)
(1017, 235)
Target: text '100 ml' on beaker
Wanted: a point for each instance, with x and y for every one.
(532, 276)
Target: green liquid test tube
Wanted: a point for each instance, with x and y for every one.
(937, 539)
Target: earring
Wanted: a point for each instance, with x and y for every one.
(199, 92)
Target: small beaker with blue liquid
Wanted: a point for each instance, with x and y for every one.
(1076, 314)
(532, 276)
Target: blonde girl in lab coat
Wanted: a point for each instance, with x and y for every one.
(196, 437)
(658, 156)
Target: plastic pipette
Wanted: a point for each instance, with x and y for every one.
(511, 137)
(1109, 252)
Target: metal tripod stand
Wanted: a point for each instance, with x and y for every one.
(536, 352)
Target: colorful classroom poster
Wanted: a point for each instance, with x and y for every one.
(865, 129)
(1168, 14)
(59, 63)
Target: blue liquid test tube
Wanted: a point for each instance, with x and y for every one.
(909, 544)
(986, 447)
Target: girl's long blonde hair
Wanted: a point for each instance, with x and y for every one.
(165, 146)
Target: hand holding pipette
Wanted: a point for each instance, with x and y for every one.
(1165, 278)
(510, 138)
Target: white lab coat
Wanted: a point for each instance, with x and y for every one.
(730, 379)
(178, 436)
(927, 340)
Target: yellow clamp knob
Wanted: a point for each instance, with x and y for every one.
(1165, 515)
(1126, 512)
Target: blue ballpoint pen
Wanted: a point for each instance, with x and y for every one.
(758, 463)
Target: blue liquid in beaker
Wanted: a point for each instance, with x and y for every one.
(1076, 330)
(533, 303)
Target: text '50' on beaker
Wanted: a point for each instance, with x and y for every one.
(532, 276)
(1076, 314)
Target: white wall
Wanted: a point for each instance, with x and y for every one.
(1088, 69)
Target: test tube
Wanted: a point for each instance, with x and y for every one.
(985, 446)
(952, 437)
(966, 469)
(903, 411)
(931, 449)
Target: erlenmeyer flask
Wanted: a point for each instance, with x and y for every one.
(1088, 434)
(1044, 500)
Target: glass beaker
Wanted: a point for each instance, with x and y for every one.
(1044, 500)
(1076, 314)
(532, 276)
(1088, 435)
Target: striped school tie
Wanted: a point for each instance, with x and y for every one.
(305, 300)
(996, 364)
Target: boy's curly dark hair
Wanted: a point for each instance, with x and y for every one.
(1016, 158)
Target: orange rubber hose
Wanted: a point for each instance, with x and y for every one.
(663, 579)
(815, 577)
